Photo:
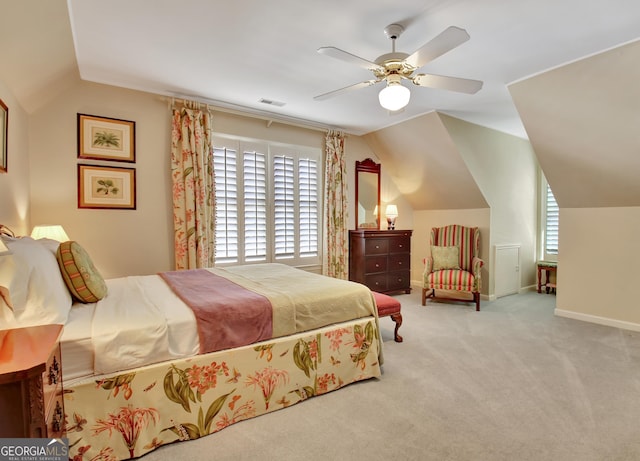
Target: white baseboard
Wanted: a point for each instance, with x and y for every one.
(596, 319)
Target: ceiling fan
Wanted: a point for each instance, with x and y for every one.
(396, 66)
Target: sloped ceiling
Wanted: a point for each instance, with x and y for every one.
(424, 163)
(37, 57)
(583, 121)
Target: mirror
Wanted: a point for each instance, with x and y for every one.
(367, 194)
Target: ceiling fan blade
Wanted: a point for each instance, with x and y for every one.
(461, 85)
(447, 40)
(348, 57)
(356, 86)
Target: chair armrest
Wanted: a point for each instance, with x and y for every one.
(476, 264)
(428, 265)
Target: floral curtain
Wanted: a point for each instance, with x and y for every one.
(335, 183)
(193, 193)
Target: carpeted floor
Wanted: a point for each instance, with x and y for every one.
(512, 382)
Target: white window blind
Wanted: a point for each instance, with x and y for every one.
(551, 227)
(226, 197)
(255, 206)
(266, 203)
(308, 193)
(284, 207)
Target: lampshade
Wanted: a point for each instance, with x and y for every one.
(392, 211)
(394, 96)
(53, 232)
(3, 249)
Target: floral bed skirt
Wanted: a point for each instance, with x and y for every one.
(126, 415)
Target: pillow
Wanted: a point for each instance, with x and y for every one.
(82, 278)
(445, 258)
(31, 285)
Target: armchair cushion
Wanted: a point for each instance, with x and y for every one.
(445, 257)
(456, 280)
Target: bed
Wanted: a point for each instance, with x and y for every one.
(143, 368)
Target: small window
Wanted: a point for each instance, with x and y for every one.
(550, 224)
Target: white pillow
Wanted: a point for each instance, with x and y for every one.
(31, 283)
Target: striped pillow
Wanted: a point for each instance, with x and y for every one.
(82, 278)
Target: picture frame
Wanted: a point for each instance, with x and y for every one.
(106, 187)
(104, 138)
(4, 132)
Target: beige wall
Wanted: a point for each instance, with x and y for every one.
(506, 171)
(120, 242)
(14, 185)
(597, 269)
(137, 242)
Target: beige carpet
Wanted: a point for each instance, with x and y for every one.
(512, 382)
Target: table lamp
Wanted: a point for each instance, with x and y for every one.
(53, 232)
(392, 214)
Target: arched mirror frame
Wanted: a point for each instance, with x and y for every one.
(367, 167)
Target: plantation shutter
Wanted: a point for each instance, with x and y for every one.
(308, 205)
(284, 207)
(552, 224)
(226, 196)
(255, 206)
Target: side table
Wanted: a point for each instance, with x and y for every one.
(547, 267)
(31, 400)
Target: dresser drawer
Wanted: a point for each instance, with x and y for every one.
(400, 244)
(375, 264)
(398, 280)
(377, 282)
(399, 261)
(376, 246)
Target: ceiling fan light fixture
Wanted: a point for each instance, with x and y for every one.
(394, 96)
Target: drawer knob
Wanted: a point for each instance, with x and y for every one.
(399, 263)
(400, 245)
(377, 247)
(377, 265)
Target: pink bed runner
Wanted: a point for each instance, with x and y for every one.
(228, 315)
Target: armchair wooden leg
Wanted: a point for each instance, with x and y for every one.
(424, 296)
(476, 297)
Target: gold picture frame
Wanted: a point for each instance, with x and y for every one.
(4, 131)
(108, 187)
(104, 138)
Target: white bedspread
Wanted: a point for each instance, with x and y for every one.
(142, 321)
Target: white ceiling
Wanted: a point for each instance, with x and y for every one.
(233, 53)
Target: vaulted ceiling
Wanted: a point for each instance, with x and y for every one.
(583, 120)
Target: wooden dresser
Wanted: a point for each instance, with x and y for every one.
(31, 400)
(381, 259)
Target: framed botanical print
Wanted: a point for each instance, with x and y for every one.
(107, 187)
(103, 138)
(4, 130)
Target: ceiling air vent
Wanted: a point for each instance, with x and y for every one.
(271, 102)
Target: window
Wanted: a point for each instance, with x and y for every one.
(267, 202)
(550, 224)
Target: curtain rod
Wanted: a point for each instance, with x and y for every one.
(246, 112)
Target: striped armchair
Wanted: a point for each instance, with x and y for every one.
(454, 263)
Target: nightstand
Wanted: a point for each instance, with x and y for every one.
(31, 400)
